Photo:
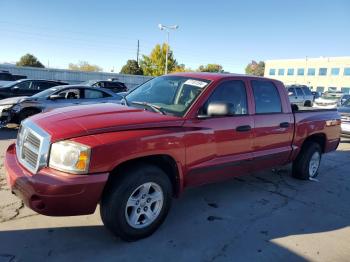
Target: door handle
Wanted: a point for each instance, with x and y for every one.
(284, 124)
(243, 128)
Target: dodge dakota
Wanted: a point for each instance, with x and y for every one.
(172, 132)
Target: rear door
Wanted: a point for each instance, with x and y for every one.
(226, 142)
(273, 131)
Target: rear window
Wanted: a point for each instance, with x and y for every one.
(266, 96)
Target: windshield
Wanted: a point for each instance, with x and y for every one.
(331, 96)
(88, 83)
(173, 94)
(46, 93)
(346, 103)
(11, 84)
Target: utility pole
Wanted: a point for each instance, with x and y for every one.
(167, 29)
(138, 51)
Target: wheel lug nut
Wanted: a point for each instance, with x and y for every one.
(137, 202)
(138, 210)
(143, 196)
(148, 200)
(145, 208)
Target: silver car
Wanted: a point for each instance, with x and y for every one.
(300, 95)
(60, 96)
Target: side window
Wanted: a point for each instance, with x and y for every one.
(26, 85)
(233, 92)
(41, 85)
(292, 90)
(299, 91)
(266, 96)
(70, 94)
(94, 94)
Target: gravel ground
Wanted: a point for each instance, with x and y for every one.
(268, 216)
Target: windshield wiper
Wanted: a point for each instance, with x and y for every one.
(155, 108)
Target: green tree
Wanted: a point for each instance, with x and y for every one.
(255, 68)
(212, 68)
(131, 68)
(29, 60)
(154, 64)
(84, 66)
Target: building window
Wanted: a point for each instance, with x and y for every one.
(272, 72)
(300, 71)
(322, 71)
(335, 71)
(320, 89)
(346, 90)
(347, 71)
(332, 89)
(281, 72)
(311, 72)
(290, 71)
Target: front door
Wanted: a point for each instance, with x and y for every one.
(220, 147)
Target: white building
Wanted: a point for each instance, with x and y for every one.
(320, 74)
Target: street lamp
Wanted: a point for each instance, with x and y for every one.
(167, 29)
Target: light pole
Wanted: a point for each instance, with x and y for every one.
(167, 29)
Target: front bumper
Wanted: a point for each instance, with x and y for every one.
(53, 193)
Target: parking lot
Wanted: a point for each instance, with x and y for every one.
(262, 217)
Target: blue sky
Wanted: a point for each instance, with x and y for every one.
(231, 33)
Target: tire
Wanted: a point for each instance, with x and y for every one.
(25, 113)
(119, 193)
(307, 163)
(308, 103)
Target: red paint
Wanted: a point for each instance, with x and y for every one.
(205, 150)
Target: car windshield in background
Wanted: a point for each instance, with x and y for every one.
(171, 94)
(332, 96)
(88, 83)
(45, 93)
(346, 103)
(11, 84)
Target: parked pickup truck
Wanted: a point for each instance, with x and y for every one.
(173, 132)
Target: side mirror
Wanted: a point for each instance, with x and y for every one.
(219, 109)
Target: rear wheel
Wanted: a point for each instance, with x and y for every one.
(134, 206)
(308, 103)
(307, 163)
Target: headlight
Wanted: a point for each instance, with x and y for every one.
(2, 107)
(71, 157)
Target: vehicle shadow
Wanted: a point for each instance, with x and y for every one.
(250, 218)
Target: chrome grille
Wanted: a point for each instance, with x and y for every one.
(32, 146)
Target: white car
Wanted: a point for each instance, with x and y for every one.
(344, 111)
(328, 100)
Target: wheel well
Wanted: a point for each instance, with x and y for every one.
(316, 138)
(165, 162)
(31, 108)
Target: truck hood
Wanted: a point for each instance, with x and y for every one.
(75, 121)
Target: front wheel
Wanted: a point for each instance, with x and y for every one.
(134, 206)
(307, 163)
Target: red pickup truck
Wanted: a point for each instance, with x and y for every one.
(172, 132)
